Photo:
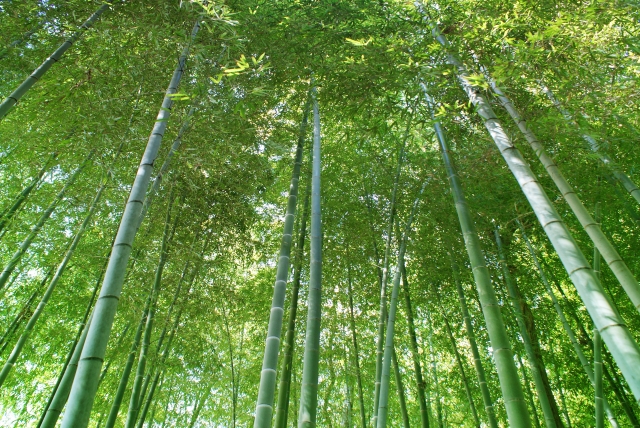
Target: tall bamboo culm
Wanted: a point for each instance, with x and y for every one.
(383, 405)
(284, 389)
(612, 327)
(382, 315)
(309, 388)
(266, 391)
(591, 226)
(86, 382)
(515, 404)
(15, 96)
(547, 403)
(572, 338)
(17, 349)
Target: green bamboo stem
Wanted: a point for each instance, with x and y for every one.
(565, 411)
(266, 391)
(547, 402)
(402, 400)
(234, 384)
(282, 409)
(434, 372)
(623, 178)
(21, 90)
(614, 331)
(597, 373)
(383, 404)
(199, 405)
(72, 349)
(62, 391)
(591, 226)
(309, 388)
(527, 387)
(415, 355)
(8, 214)
(156, 372)
(516, 407)
(86, 383)
(157, 181)
(572, 338)
(160, 370)
(24, 246)
(465, 380)
(356, 352)
(597, 346)
(126, 372)
(17, 320)
(17, 349)
(477, 361)
(382, 317)
(136, 394)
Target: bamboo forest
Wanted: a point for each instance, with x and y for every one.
(319, 213)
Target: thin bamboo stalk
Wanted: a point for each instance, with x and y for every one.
(284, 389)
(24, 246)
(309, 388)
(547, 402)
(623, 178)
(572, 338)
(612, 327)
(383, 405)
(382, 318)
(267, 386)
(415, 355)
(21, 90)
(591, 226)
(86, 383)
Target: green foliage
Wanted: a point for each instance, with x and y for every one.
(248, 76)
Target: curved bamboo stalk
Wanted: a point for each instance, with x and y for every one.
(266, 389)
(86, 383)
(21, 90)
